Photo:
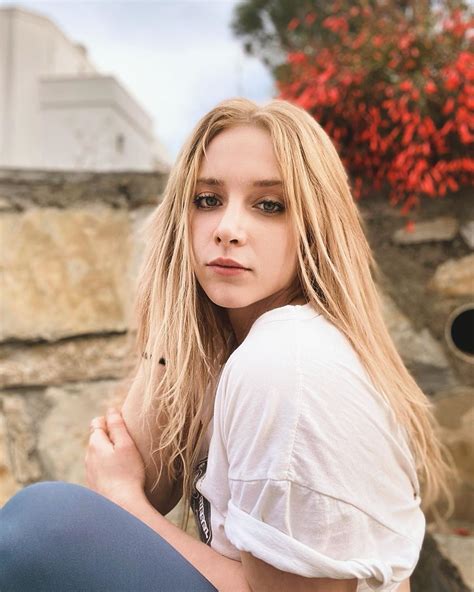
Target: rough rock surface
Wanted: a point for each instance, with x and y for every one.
(443, 228)
(434, 572)
(69, 360)
(8, 484)
(455, 277)
(460, 550)
(467, 232)
(66, 273)
(22, 189)
(421, 353)
(19, 412)
(64, 430)
(454, 410)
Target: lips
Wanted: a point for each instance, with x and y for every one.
(223, 262)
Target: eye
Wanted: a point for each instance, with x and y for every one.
(208, 196)
(271, 210)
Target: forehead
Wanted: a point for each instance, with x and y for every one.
(245, 148)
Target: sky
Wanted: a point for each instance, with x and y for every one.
(178, 58)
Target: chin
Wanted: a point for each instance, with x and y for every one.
(231, 300)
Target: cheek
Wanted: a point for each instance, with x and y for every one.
(201, 229)
(280, 250)
(286, 243)
(202, 232)
(197, 232)
(289, 254)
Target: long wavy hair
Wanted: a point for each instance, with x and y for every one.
(176, 320)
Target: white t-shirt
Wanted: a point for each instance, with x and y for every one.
(306, 468)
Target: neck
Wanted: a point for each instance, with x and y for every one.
(243, 318)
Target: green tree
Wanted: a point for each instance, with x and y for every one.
(262, 25)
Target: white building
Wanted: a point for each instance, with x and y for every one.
(58, 112)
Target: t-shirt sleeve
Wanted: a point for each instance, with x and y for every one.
(321, 484)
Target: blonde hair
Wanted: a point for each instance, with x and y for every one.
(176, 320)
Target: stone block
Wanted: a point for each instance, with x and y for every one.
(8, 484)
(73, 360)
(64, 430)
(454, 277)
(66, 272)
(467, 232)
(19, 417)
(432, 378)
(454, 411)
(414, 347)
(21, 189)
(444, 228)
(460, 550)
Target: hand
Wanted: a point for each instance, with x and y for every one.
(114, 465)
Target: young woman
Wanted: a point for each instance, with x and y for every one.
(268, 393)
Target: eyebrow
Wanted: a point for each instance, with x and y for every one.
(260, 183)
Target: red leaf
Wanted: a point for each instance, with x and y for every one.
(293, 24)
(448, 106)
(452, 184)
(462, 531)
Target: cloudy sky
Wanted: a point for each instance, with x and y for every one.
(177, 57)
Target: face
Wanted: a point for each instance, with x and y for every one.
(239, 213)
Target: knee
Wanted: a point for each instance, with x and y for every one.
(32, 510)
(38, 513)
(22, 522)
(34, 524)
(37, 502)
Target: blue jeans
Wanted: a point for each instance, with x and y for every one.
(61, 537)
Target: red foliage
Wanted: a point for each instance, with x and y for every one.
(396, 97)
(462, 531)
(293, 24)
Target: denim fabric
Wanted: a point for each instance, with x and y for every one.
(62, 537)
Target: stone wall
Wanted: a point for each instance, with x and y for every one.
(427, 273)
(71, 246)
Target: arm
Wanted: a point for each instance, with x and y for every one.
(115, 457)
(289, 522)
(227, 575)
(167, 494)
(262, 576)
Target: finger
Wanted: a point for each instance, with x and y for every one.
(98, 431)
(98, 422)
(100, 438)
(116, 426)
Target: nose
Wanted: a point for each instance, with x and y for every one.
(230, 229)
